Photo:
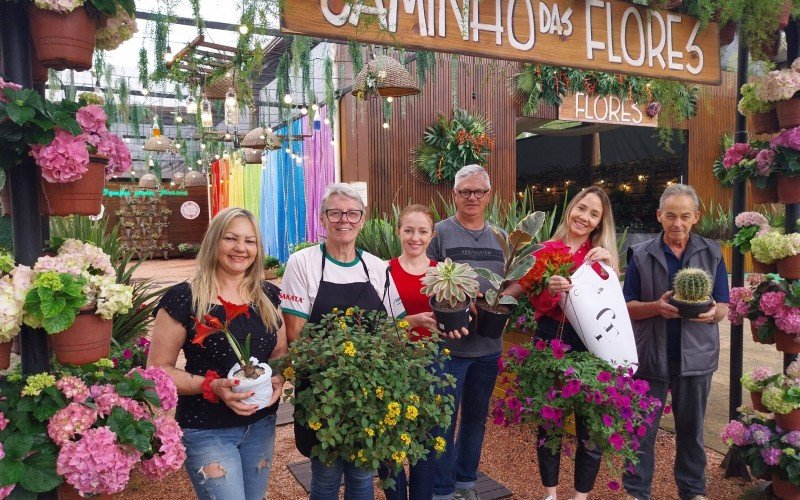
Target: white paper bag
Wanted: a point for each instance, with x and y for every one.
(595, 307)
(262, 386)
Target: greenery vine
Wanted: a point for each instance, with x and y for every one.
(282, 85)
(330, 92)
(198, 18)
(356, 56)
(144, 73)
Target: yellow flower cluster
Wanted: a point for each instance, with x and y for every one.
(414, 399)
(379, 392)
(446, 351)
(405, 438)
(440, 444)
(288, 373)
(360, 453)
(438, 399)
(314, 426)
(403, 324)
(349, 348)
(37, 383)
(349, 311)
(411, 412)
(104, 363)
(399, 456)
(342, 324)
(391, 415)
(369, 432)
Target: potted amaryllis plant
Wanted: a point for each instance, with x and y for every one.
(252, 374)
(451, 287)
(494, 309)
(755, 381)
(546, 382)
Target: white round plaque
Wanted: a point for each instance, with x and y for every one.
(190, 210)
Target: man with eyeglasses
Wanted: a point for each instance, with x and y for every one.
(466, 237)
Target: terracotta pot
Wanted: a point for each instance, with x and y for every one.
(765, 123)
(784, 489)
(785, 343)
(788, 112)
(761, 268)
(756, 338)
(5, 355)
(769, 48)
(86, 341)
(755, 397)
(63, 41)
(67, 492)
(727, 33)
(786, 11)
(788, 421)
(788, 189)
(789, 267)
(82, 197)
(767, 195)
(38, 70)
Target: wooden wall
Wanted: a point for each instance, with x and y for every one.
(381, 157)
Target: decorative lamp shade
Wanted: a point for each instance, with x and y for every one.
(148, 181)
(191, 105)
(206, 118)
(159, 144)
(384, 77)
(194, 178)
(178, 177)
(231, 108)
(260, 138)
(218, 87)
(252, 155)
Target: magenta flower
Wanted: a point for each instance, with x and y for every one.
(735, 154)
(765, 160)
(571, 388)
(613, 485)
(65, 159)
(541, 345)
(73, 388)
(640, 387)
(170, 455)
(788, 138)
(759, 434)
(72, 420)
(164, 386)
(3, 421)
(92, 119)
(734, 433)
(772, 303)
(519, 352)
(771, 456)
(604, 377)
(608, 421)
(616, 440)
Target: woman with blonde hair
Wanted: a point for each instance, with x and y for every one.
(229, 444)
(587, 233)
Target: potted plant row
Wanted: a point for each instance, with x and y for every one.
(773, 307)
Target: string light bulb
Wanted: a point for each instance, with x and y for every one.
(287, 98)
(206, 118)
(179, 119)
(168, 55)
(191, 105)
(145, 91)
(269, 129)
(327, 121)
(244, 29)
(315, 107)
(202, 146)
(385, 125)
(390, 99)
(231, 107)
(304, 111)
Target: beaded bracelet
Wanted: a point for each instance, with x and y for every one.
(208, 393)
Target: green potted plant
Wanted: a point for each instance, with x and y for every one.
(451, 287)
(370, 417)
(779, 87)
(750, 224)
(782, 397)
(494, 309)
(782, 249)
(14, 281)
(755, 381)
(691, 292)
(762, 113)
(189, 250)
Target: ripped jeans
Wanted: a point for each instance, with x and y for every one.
(240, 459)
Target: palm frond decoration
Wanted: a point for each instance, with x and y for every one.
(449, 144)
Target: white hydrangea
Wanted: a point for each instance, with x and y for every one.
(115, 30)
(114, 299)
(63, 6)
(13, 288)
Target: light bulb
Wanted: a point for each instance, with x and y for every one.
(179, 119)
(288, 151)
(199, 162)
(385, 125)
(389, 99)
(191, 105)
(287, 98)
(269, 129)
(303, 110)
(127, 139)
(177, 145)
(333, 142)
(202, 146)
(314, 106)
(227, 137)
(145, 91)
(168, 55)
(216, 157)
(299, 161)
(243, 29)
(327, 121)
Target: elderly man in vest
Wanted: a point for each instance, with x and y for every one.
(675, 353)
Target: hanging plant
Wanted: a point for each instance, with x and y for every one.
(356, 56)
(330, 93)
(198, 19)
(301, 53)
(282, 85)
(454, 79)
(448, 145)
(160, 48)
(426, 66)
(144, 73)
(124, 93)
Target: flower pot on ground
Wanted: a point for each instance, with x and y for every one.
(261, 385)
(691, 292)
(83, 196)
(765, 123)
(788, 189)
(788, 112)
(768, 194)
(63, 40)
(451, 286)
(783, 489)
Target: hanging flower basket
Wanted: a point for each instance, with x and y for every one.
(788, 112)
(63, 41)
(727, 33)
(86, 341)
(785, 343)
(767, 195)
(82, 197)
(789, 267)
(788, 189)
(765, 123)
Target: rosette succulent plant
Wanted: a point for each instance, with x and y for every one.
(692, 285)
(451, 283)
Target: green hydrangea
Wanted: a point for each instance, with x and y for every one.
(773, 398)
(49, 279)
(37, 383)
(104, 363)
(6, 262)
(773, 245)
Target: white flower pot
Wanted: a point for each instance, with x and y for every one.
(262, 386)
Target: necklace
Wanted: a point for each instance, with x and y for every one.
(470, 232)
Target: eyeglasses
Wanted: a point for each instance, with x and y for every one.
(352, 216)
(466, 193)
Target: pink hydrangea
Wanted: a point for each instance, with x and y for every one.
(771, 456)
(119, 157)
(7, 85)
(735, 154)
(96, 463)
(772, 303)
(765, 160)
(171, 454)
(788, 320)
(165, 387)
(745, 219)
(135, 408)
(740, 298)
(788, 138)
(73, 388)
(5, 491)
(69, 421)
(3, 421)
(92, 119)
(761, 373)
(734, 433)
(105, 398)
(792, 438)
(65, 159)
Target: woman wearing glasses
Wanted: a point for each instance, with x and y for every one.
(332, 275)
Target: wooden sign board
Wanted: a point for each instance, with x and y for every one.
(607, 35)
(604, 109)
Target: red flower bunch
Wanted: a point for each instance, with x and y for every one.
(213, 325)
(550, 261)
(478, 142)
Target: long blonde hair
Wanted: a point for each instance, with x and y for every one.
(605, 234)
(204, 282)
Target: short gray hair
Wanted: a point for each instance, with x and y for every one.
(469, 171)
(340, 189)
(680, 190)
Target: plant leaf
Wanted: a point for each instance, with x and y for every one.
(39, 473)
(532, 223)
(519, 239)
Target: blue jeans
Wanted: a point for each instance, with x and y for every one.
(243, 456)
(457, 467)
(326, 479)
(419, 486)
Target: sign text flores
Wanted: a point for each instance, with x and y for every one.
(608, 35)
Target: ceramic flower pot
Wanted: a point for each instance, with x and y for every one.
(448, 319)
(765, 123)
(767, 195)
(784, 489)
(489, 323)
(5, 355)
(82, 197)
(86, 341)
(761, 268)
(63, 41)
(689, 310)
(788, 112)
(788, 421)
(788, 189)
(262, 386)
(789, 267)
(755, 398)
(785, 343)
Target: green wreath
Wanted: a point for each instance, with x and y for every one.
(448, 145)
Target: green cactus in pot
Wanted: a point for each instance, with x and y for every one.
(691, 292)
